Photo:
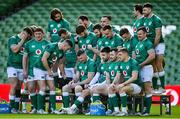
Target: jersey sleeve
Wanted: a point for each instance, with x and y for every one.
(149, 45)
(49, 48)
(119, 40)
(157, 22)
(91, 66)
(66, 25)
(48, 28)
(135, 65)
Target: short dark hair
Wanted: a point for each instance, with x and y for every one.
(54, 12)
(39, 29)
(114, 49)
(80, 52)
(80, 28)
(138, 7)
(106, 49)
(148, 5)
(124, 50)
(28, 30)
(108, 17)
(62, 31)
(107, 27)
(97, 26)
(123, 31)
(69, 43)
(83, 17)
(143, 29)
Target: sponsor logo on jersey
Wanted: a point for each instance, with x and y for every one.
(82, 73)
(84, 47)
(112, 73)
(137, 51)
(22, 49)
(54, 30)
(134, 29)
(38, 51)
(54, 59)
(125, 73)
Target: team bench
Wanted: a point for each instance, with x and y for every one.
(134, 99)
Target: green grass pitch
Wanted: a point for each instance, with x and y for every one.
(154, 114)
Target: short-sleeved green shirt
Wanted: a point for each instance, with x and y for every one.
(70, 55)
(102, 68)
(34, 49)
(83, 42)
(137, 24)
(55, 55)
(141, 50)
(127, 68)
(15, 59)
(114, 42)
(151, 25)
(112, 69)
(85, 67)
(130, 44)
(54, 27)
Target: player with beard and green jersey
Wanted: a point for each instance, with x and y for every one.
(54, 52)
(153, 26)
(145, 54)
(14, 66)
(33, 50)
(100, 37)
(139, 21)
(84, 20)
(86, 38)
(111, 39)
(85, 70)
(98, 80)
(131, 84)
(55, 24)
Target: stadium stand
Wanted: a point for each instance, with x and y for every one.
(121, 12)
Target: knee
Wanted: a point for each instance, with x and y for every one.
(78, 89)
(65, 88)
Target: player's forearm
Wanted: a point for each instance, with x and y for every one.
(95, 79)
(61, 67)
(132, 79)
(45, 64)
(157, 37)
(24, 63)
(16, 48)
(149, 59)
(96, 51)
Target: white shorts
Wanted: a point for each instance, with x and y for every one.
(136, 88)
(160, 49)
(98, 84)
(69, 72)
(146, 73)
(13, 72)
(30, 78)
(41, 74)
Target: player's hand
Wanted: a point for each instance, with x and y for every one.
(121, 85)
(73, 85)
(86, 86)
(89, 47)
(23, 36)
(50, 73)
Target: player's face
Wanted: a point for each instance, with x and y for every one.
(83, 34)
(104, 21)
(82, 58)
(121, 56)
(64, 36)
(65, 46)
(146, 11)
(38, 35)
(97, 32)
(57, 17)
(126, 36)
(113, 56)
(141, 35)
(104, 56)
(108, 33)
(135, 12)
